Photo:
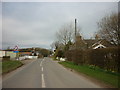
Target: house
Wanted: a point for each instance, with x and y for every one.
(25, 53)
(2, 53)
(11, 54)
(83, 44)
(78, 44)
(101, 43)
(8, 53)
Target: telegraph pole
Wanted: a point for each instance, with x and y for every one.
(75, 27)
(75, 40)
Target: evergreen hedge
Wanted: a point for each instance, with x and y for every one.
(105, 58)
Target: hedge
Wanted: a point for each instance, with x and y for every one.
(105, 58)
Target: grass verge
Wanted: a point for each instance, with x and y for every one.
(105, 77)
(8, 66)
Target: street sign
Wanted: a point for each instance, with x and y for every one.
(16, 49)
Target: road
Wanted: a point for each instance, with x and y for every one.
(45, 73)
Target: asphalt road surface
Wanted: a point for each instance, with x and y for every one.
(45, 73)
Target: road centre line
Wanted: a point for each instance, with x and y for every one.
(43, 81)
(41, 62)
(42, 69)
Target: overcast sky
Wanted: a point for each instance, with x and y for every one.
(34, 24)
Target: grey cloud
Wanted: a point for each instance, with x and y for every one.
(35, 24)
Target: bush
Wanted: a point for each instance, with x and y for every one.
(59, 53)
(6, 58)
(75, 56)
(105, 58)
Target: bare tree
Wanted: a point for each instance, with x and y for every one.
(66, 34)
(108, 28)
(55, 45)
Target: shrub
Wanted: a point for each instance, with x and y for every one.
(6, 58)
(75, 56)
(105, 58)
(59, 53)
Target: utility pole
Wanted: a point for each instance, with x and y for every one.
(75, 27)
(75, 40)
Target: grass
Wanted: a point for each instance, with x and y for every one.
(8, 66)
(108, 78)
(0, 68)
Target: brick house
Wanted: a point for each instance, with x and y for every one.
(83, 44)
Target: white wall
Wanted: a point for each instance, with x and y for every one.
(28, 57)
(11, 54)
(31, 57)
(2, 53)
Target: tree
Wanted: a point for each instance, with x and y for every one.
(108, 28)
(64, 38)
(55, 45)
(45, 52)
(67, 46)
(65, 34)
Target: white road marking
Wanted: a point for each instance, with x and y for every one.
(43, 81)
(42, 69)
(41, 62)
